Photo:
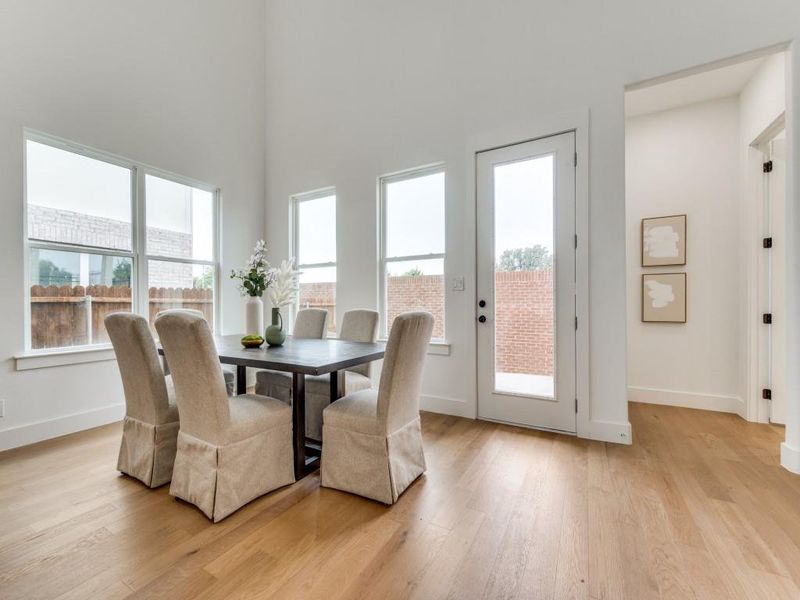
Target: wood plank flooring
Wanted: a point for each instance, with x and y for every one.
(697, 507)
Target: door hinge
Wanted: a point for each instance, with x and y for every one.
(576, 159)
(766, 394)
(767, 242)
(576, 323)
(576, 240)
(767, 318)
(768, 167)
(576, 405)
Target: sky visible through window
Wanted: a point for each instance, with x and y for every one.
(523, 193)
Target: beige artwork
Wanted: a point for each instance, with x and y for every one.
(664, 241)
(664, 298)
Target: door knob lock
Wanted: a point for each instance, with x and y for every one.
(482, 319)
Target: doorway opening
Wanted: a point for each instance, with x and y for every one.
(705, 239)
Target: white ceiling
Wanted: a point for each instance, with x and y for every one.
(699, 87)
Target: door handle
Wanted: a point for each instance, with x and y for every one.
(482, 303)
(482, 319)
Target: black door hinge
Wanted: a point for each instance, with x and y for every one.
(766, 394)
(768, 242)
(576, 159)
(767, 318)
(768, 167)
(576, 405)
(576, 323)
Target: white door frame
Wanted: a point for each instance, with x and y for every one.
(756, 408)
(577, 121)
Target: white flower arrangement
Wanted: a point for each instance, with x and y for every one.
(285, 286)
(258, 275)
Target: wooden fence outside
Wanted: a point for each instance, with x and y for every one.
(63, 316)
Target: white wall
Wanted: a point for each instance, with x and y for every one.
(363, 88)
(178, 85)
(686, 161)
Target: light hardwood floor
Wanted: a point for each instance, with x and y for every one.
(697, 508)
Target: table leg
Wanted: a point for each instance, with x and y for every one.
(337, 385)
(241, 380)
(299, 424)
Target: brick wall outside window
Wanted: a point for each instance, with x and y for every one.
(524, 327)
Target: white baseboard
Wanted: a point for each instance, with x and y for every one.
(790, 458)
(52, 428)
(446, 406)
(719, 403)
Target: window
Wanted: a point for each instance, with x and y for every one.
(86, 255)
(314, 247)
(413, 245)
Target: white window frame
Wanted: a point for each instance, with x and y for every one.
(138, 252)
(295, 200)
(383, 260)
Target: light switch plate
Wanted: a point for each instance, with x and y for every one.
(458, 284)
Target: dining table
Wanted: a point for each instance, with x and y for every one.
(300, 357)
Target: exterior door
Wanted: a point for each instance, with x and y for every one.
(526, 283)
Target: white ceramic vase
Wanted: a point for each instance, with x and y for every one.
(254, 316)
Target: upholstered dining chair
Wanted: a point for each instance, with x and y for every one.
(150, 427)
(359, 325)
(309, 323)
(373, 440)
(230, 450)
(227, 371)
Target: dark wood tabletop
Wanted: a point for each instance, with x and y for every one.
(309, 357)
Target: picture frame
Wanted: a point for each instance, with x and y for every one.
(664, 297)
(663, 241)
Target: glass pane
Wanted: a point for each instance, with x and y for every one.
(524, 283)
(416, 285)
(180, 285)
(415, 216)
(316, 231)
(71, 294)
(180, 220)
(318, 290)
(77, 200)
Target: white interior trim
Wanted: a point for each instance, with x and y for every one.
(52, 428)
(58, 358)
(577, 121)
(699, 400)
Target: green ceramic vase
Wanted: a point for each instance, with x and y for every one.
(275, 335)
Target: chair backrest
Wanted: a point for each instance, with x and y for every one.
(401, 377)
(196, 372)
(311, 323)
(143, 380)
(360, 325)
(192, 311)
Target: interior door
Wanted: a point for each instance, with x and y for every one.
(526, 283)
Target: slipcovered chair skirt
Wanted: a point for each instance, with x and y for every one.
(150, 427)
(373, 438)
(229, 450)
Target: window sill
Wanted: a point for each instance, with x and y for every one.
(435, 347)
(43, 359)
